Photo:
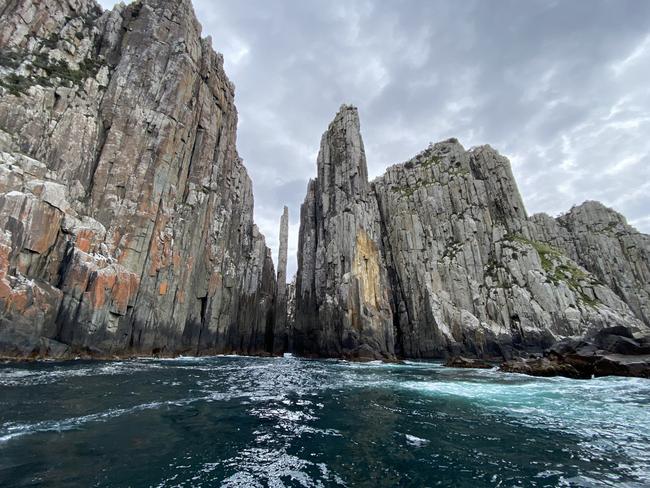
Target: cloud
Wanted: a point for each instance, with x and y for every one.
(559, 87)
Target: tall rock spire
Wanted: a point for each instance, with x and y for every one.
(281, 334)
(282, 253)
(342, 302)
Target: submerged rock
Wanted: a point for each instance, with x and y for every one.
(595, 356)
(470, 363)
(543, 367)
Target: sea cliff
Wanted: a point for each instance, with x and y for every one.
(438, 257)
(126, 212)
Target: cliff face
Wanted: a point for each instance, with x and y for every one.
(342, 293)
(468, 271)
(126, 213)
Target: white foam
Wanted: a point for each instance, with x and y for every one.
(416, 441)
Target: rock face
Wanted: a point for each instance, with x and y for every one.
(461, 265)
(126, 218)
(126, 215)
(601, 240)
(342, 288)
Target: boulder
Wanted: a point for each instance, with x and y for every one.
(583, 359)
(471, 363)
(543, 367)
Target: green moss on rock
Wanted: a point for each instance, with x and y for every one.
(559, 268)
(44, 71)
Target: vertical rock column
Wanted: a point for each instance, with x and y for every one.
(342, 300)
(280, 341)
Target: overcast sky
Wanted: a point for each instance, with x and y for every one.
(560, 87)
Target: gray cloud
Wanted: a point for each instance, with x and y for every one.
(560, 87)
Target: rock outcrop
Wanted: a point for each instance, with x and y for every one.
(342, 288)
(613, 351)
(463, 268)
(600, 239)
(126, 215)
(467, 363)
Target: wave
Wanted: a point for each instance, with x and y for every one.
(28, 376)
(12, 430)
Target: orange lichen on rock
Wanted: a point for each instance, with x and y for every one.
(113, 286)
(5, 251)
(160, 250)
(366, 269)
(176, 260)
(84, 241)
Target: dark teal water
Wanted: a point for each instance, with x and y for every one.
(243, 422)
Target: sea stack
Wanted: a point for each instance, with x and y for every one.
(280, 343)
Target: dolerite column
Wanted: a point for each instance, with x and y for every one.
(342, 299)
(281, 333)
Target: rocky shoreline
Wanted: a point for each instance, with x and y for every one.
(614, 351)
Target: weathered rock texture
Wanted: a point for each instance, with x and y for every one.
(126, 218)
(342, 288)
(457, 258)
(126, 215)
(600, 239)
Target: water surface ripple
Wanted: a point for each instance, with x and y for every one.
(249, 422)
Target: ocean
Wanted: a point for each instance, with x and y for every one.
(289, 422)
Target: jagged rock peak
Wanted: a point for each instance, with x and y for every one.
(601, 240)
(342, 160)
(342, 302)
(283, 248)
(281, 339)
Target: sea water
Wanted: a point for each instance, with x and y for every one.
(288, 422)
